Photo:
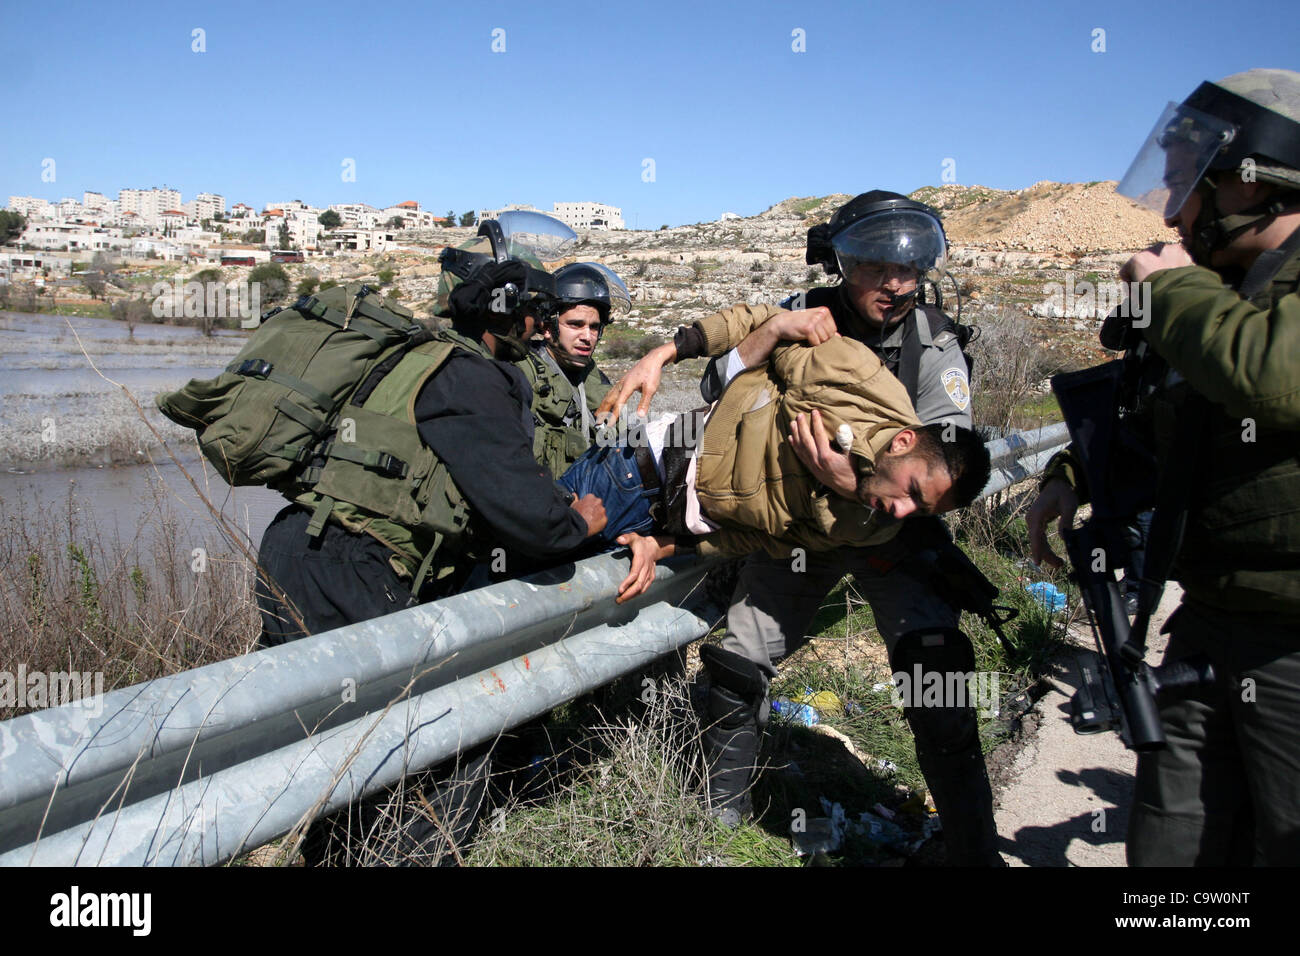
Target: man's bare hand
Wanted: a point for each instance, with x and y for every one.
(642, 377)
(1163, 255)
(592, 510)
(645, 553)
(1057, 499)
(832, 467)
(813, 326)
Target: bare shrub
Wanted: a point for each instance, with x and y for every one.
(1010, 366)
(629, 347)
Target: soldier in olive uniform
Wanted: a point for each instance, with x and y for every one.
(567, 385)
(1224, 313)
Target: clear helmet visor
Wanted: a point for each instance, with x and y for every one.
(535, 236)
(1174, 157)
(596, 282)
(910, 241)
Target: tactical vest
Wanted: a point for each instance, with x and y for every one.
(1241, 548)
(560, 433)
(923, 328)
(376, 475)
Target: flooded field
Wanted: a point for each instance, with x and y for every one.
(61, 397)
(139, 503)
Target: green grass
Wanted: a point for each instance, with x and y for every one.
(806, 205)
(1042, 408)
(96, 310)
(618, 783)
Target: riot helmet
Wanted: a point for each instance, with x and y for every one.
(1249, 122)
(498, 297)
(879, 235)
(531, 237)
(590, 283)
(879, 228)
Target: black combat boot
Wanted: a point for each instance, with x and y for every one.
(737, 692)
(959, 786)
(731, 739)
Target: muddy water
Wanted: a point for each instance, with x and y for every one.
(154, 506)
(61, 397)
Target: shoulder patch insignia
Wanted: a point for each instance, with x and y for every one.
(958, 389)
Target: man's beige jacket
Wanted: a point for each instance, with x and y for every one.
(749, 479)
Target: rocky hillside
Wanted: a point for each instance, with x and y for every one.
(1064, 218)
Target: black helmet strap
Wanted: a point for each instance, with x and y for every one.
(1213, 231)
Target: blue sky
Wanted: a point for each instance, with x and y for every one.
(733, 118)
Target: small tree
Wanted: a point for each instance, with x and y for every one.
(12, 225)
(95, 276)
(396, 222)
(272, 280)
(385, 276)
(451, 218)
(286, 242)
(132, 312)
(254, 235)
(467, 218)
(307, 286)
(329, 219)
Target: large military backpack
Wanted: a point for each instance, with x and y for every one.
(259, 420)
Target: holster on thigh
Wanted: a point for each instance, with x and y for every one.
(949, 728)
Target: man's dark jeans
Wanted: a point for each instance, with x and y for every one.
(612, 475)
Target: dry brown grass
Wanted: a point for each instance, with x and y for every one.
(74, 599)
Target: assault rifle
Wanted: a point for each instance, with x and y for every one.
(1120, 471)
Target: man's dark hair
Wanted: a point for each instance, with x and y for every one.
(961, 453)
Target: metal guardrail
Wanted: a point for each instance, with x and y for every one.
(1022, 455)
(196, 768)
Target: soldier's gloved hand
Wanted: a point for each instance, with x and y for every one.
(474, 297)
(1117, 331)
(592, 510)
(1056, 499)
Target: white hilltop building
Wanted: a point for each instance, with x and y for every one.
(589, 215)
(578, 216)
